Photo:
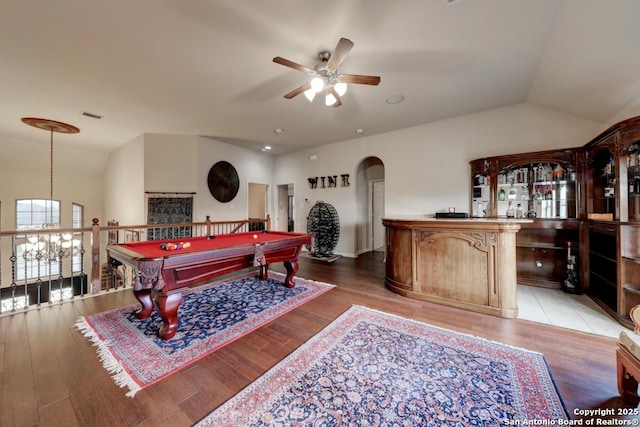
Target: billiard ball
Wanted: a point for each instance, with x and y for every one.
(255, 236)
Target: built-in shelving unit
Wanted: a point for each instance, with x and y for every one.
(541, 186)
(585, 203)
(612, 219)
(603, 264)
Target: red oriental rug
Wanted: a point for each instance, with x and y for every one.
(372, 368)
(209, 317)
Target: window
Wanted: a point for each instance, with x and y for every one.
(31, 214)
(31, 251)
(77, 221)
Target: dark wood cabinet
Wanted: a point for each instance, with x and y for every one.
(612, 231)
(603, 264)
(542, 249)
(587, 198)
(542, 186)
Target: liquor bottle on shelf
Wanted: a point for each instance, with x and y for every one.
(558, 173)
(519, 211)
(510, 210)
(570, 284)
(609, 189)
(501, 195)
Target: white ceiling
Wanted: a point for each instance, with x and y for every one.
(204, 67)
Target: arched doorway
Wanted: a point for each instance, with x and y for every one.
(370, 205)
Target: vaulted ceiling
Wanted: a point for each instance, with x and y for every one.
(204, 67)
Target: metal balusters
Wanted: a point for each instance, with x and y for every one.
(44, 270)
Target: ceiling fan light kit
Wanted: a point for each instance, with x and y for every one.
(325, 76)
(310, 94)
(317, 84)
(329, 100)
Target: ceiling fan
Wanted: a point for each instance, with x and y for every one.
(325, 77)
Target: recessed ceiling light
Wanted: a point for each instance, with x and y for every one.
(267, 147)
(359, 131)
(278, 130)
(395, 99)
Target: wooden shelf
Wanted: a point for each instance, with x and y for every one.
(541, 246)
(631, 289)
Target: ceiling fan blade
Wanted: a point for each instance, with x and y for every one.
(294, 65)
(333, 92)
(360, 79)
(298, 91)
(342, 48)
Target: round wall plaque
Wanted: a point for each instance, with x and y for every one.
(223, 181)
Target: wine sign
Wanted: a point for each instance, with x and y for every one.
(330, 181)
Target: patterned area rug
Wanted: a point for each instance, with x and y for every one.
(369, 368)
(209, 317)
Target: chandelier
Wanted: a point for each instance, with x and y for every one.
(50, 246)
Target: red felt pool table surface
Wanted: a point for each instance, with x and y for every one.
(152, 249)
(161, 274)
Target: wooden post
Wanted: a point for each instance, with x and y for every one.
(95, 257)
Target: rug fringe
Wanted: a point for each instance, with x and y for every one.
(118, 373)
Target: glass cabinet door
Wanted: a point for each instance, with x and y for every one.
(633, 173)
(481, 195)
(538, 190)
(513, 192)
(602, 170)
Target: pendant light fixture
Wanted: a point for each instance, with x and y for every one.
(52, 246)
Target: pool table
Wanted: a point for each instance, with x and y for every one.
(161, 275)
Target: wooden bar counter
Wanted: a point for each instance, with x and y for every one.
(464, 263)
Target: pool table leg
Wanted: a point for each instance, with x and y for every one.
(263, 272)
(292, 269)
(168, 309)
(144, 297)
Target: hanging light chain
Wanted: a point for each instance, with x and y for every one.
(51, 181)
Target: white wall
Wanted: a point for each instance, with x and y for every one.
(169, 163)
(123, 181)
(427, 166)
(178, 163)
(25, 174)
(252, 166)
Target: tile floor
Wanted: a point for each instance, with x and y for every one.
(555, 307)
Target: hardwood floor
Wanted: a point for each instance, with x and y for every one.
(51, 375)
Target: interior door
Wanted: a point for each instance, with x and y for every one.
(377, 209)
(257, 208)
